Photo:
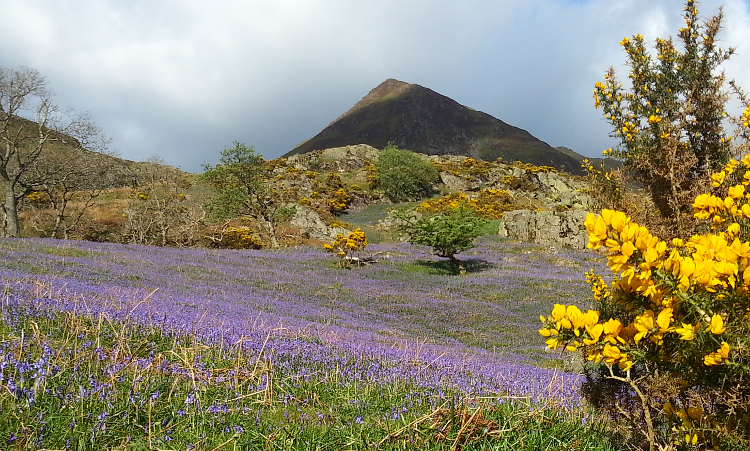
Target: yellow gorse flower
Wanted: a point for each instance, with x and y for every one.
(716, 358)
(677, 295)
(716, 326)
(346, 246)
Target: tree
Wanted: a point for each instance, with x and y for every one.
(670, 121)
(241, 188)
(70, 190)
(404, 175)
(39, 143)
(448, 233)
(159, 212)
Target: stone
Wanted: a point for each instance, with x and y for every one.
(350, 157)
(310, 223)
(548, 228)
(454, 182)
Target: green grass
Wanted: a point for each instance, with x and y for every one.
(146, 404)
(67, 252)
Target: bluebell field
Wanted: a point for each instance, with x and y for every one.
(252, 322)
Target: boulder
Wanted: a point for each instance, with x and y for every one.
(350, 157)
(310, 223)
(548, 228)
(454, 182)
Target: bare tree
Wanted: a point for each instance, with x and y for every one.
(159, 212)
(42, 148)
(69, 190)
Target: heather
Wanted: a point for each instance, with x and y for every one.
(150, 348)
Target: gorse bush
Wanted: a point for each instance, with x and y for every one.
(671, 120)
(348, 248)
(403, 175)
(605, 187)
(338, 201)
(239, 238)
(676, 311)
(489, 203)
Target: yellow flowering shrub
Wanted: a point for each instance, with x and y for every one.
(489, 203)
(240, 238)
(338, 201)
(678, 308)
(348, 248)
(37, 197)
(533, 169)
(671, 118)
(604, 185)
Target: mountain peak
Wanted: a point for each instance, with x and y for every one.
(420, 119)
(389, 89)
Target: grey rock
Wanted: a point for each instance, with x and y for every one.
(310, 223)
(350, 157)
(548, 228)
(454, 182)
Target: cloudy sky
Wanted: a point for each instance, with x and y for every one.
(182, 79)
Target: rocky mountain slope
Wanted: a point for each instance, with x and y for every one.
(417, 118)
(537, 204)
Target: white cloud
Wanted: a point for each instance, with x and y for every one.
(184, 78)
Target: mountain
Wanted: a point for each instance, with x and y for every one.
(419, 119)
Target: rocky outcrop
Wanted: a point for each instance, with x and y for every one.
(310, 224)
(550, 206)
(455, 182)
(336, 159)
(549, 228)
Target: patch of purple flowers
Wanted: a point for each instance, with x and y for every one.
(386, 323)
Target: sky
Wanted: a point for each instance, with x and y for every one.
(183, 79)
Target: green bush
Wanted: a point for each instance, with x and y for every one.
(447, 233)
(404, 175)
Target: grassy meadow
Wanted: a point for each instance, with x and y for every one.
(108, 346)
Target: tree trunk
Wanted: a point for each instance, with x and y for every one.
(460, 268)
(3, 230)
(271, 233)
(11, 211)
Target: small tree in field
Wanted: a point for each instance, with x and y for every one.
(240, 180)
(447, 233)
(670, 121)
(404, 175)
(158, 211)
(348, 248)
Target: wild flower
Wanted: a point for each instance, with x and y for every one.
(678, 307)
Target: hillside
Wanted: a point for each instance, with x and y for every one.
(61, 148)
(417, 118)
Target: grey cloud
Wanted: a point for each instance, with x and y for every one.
(185, 78)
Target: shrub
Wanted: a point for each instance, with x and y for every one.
(670, 121)
(489, 203)
(240, 183)
(339, 201)
(670, 342)
(348, 248)
(285, 213)
(238, 238)
(403, 175)
(448, 233)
